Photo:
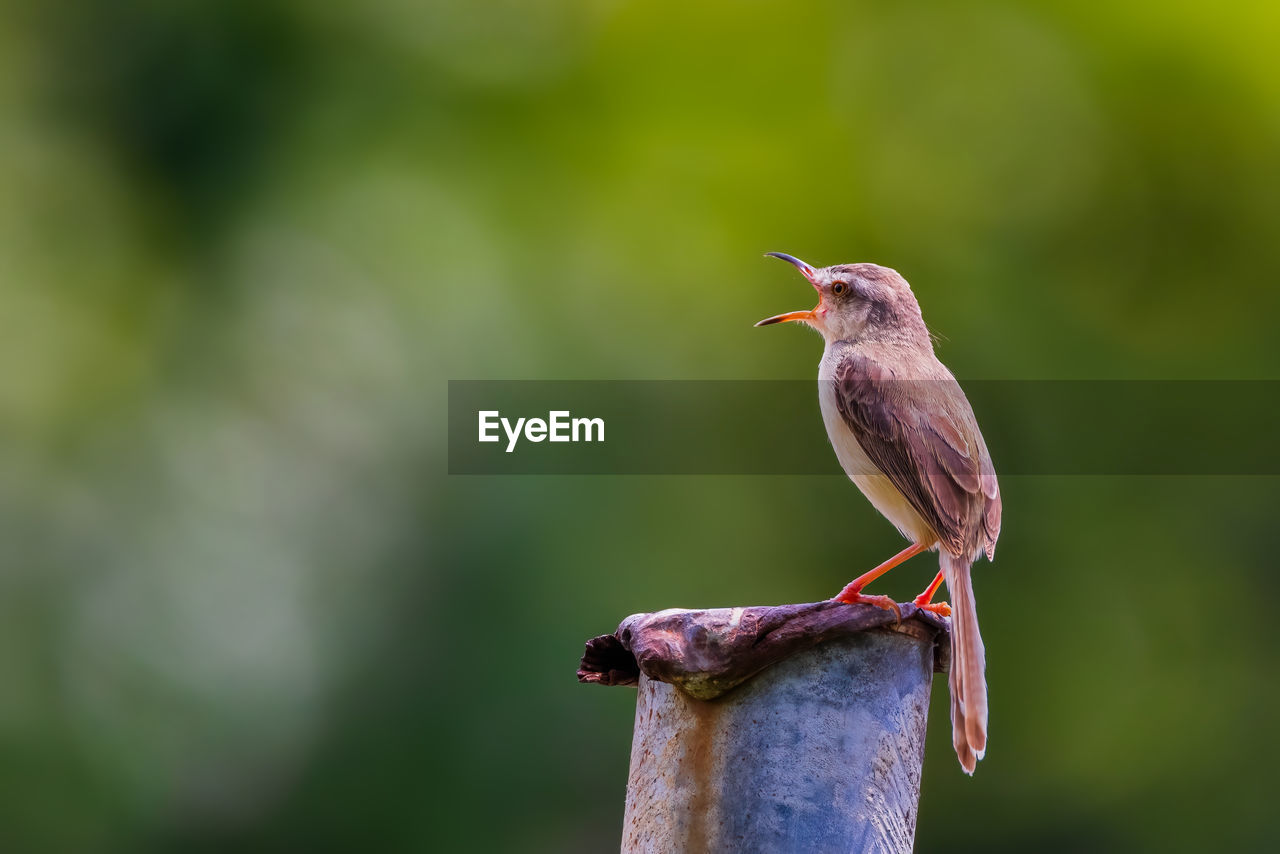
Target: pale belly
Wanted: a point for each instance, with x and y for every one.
(877, 487)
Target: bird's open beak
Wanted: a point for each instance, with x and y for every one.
(810, 274)
(789, 317)
(804, 268)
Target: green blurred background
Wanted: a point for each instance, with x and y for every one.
(244, 245)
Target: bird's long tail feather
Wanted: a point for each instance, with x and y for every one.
(968, 680)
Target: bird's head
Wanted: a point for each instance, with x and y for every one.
(858, 302)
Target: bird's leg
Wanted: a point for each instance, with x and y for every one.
(852, 592)
(925, 600)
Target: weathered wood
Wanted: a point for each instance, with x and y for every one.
(773, 729)
(710, 651)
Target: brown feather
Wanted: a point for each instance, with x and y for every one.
(922, 434)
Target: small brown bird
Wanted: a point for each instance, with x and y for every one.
(905, 434)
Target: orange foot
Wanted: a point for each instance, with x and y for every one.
(925, 600)
(852, 595)
(942, 609)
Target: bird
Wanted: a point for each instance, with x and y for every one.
(905, 434)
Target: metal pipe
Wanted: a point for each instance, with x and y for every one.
(821, 751)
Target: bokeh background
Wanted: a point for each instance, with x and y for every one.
(244, 245)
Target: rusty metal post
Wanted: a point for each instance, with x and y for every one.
(821, 750)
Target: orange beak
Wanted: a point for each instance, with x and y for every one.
(791, 316)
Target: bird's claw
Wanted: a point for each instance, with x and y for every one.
(942, 609)
(855, 598)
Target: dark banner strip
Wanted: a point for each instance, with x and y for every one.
(753, 427)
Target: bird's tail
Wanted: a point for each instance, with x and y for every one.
(968, 680)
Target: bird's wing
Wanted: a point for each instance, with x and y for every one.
(923, 436)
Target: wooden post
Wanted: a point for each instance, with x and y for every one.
(795, 728)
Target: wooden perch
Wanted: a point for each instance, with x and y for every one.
(706, 653)
(774, 729)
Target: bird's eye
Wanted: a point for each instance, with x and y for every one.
(839, 288)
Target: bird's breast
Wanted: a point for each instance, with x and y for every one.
(873, 483)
